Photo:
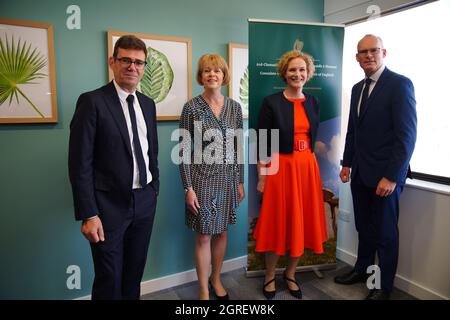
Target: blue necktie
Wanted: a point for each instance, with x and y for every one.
(137, 144)
(364, 97)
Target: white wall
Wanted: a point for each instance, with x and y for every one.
(424, 261)
(424, 224)
(424, 264)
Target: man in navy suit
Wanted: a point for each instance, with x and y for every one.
(113, 169)
(380, 140)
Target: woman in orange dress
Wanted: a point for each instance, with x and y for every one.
(292, 215)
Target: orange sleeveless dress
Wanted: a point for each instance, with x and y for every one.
(292, 215)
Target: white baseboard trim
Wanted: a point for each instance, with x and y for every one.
(401, 282)
(346, 256)
(187, 276)
(177, 279)
(417, 290)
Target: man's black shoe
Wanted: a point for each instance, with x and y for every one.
(351, 278)
(378, 294)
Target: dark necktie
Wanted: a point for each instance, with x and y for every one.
(364, 97)
(137, 144)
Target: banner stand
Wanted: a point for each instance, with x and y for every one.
(325, 43)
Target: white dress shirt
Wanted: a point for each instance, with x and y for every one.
(142, 131)
(374, 79)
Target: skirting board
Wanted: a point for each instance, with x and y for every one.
(401, 282)
(177, 279)
(187, 276)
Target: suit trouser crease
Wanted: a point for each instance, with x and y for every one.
(376, 220)
(119, 261)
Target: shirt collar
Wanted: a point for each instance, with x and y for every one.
(122, 93)
(377, 74)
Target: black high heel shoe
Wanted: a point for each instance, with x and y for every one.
(269, 294)
(295, 293)
(225, 297)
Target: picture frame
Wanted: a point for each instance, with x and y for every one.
(169, 60)
(27, 72)
(238, 65)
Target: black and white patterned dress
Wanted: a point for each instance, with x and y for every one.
(211, 171)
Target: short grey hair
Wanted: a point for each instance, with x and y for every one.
(373, 36)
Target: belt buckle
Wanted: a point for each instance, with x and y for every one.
(301, 145)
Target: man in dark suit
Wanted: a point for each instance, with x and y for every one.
(113, 170)
(380, 140)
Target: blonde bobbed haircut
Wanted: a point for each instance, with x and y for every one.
(294, 54)
(213, 60)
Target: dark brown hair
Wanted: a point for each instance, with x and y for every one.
(129, 42)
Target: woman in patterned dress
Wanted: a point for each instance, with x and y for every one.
(292, 215)
(212, 169)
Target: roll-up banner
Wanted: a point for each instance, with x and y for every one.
(268, 41)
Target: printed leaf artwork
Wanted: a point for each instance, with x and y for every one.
(243, 91)
(19, 64)
(158, 76)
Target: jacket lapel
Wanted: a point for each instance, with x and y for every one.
(376, 90)
(355, 101)
(114, 106)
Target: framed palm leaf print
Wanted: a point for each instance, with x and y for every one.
(27, 73)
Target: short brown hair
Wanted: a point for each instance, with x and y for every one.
(294, 54)
(212, 60)
(129, 41)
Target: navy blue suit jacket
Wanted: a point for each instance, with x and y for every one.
(100, 156)
(381, 141)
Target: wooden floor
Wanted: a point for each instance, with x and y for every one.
(241, 287)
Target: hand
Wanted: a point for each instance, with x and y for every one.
(192, 201)
(261, 184)
(385, 187)
(241, 192)
(92, 229)
(345, 174)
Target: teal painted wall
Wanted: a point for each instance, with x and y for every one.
(39, 238)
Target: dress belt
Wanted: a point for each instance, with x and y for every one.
(301, 145)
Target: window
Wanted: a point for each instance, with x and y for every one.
(417, 46)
